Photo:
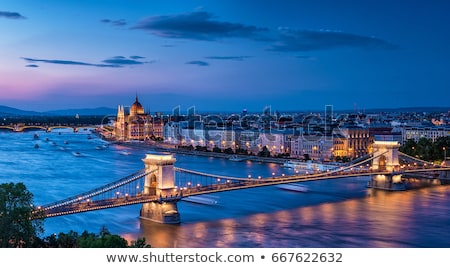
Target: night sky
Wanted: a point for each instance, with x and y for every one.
(224, 55)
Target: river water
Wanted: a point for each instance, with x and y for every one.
(335, 213)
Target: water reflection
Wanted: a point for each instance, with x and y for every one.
(383, 219)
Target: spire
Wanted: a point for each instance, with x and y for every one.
(137, 97)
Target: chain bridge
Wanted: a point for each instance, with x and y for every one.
(160, 185)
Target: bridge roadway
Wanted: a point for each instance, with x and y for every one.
(223, 184)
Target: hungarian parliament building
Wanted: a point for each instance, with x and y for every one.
(135, 124)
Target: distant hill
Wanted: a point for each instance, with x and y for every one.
(9, 111)
(93, 111)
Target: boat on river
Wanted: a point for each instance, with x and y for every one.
(309, 165)
(125, 152)
(200, 200)
(293, 187)
(237, 158)
(77, 154)
(101, 147)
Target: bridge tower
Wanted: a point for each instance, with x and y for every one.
(385, 153)
(161, 182)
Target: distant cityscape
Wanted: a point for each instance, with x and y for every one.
(318, 136)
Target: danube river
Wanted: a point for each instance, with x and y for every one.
(335, 213)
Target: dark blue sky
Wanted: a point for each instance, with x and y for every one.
(224, 55)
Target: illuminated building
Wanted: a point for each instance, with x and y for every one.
(134, 124)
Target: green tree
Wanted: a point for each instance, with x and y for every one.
(69, 240)
(442, 147)
(17, 226)
(425, 149)
(113, 241)
(104, 240)
(409, 147)
(139, 243)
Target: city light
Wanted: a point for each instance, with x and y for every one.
(388, 168)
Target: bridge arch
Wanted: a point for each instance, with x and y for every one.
(382, 163)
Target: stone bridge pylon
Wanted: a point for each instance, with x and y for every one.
(385, 159)
(161, 182)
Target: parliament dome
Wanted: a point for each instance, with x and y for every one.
(136, 108)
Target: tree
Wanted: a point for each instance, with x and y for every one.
(18, 226)
(69, 240)
(409, 147)
(264, 152)
(104, 240)
(139, 243)
(216, 149)
(425, 149)
(228, 151)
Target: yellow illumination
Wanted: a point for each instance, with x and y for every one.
(386, 143)
(159, 157)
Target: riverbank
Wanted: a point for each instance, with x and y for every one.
(162, 147)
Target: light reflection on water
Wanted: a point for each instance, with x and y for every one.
(337, 213)
(379, 220)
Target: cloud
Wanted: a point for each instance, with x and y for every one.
(11, 15)
(116, 23)
(236, 58)
(121, 60)
(114, 62)
(197, 25)
(198, 62)
(69, 62)
(32, 65)
(291, 40)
